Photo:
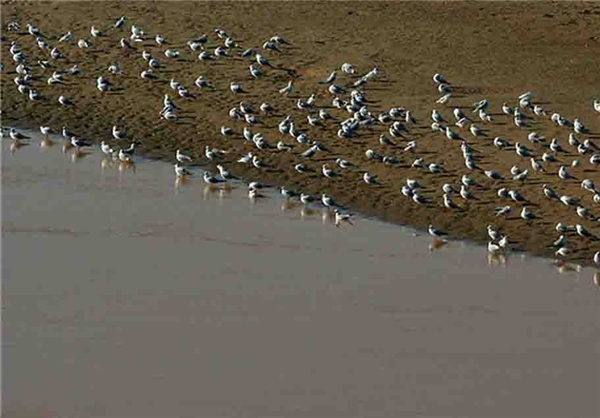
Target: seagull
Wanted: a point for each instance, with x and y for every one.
(65, 101)
(306, 198)
(79, 143)
(327, 172)
(328, 201)
(493, 248)
(210, 179)
(106, 149)
(562, 251)
(287, 89)
(16, 135)
(564, 174)
(439, 79)
(287, 193)
(450, 134)
(236, 87)
(503, 210)
(95, 32)
(549, 192)
(255, 72)
(45, 130)
(330, 79)
(436, 233)
(582, 232)
(370, 179)
(526, 214)
(342, 217)
(181, 171)
(118, 134)
(212, 154)
(182, 158)
(262, 60)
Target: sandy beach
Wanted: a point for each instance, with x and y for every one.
(495, 50)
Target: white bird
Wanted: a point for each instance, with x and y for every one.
(342, 217)
(564, 174)
(526, 214)
(370, 179)
(327, 172)
(347, 68)
(236, 87)
(493, 248)
(255, 72)
(439, 79)
(182, 158)
(212, 154)
(436, 233)
(597, 255)
(181, 171)
(95, 32)
(64, 101)
(583, 232)
(562, 251)
(287, 89)
(328, 201)
(465, 193)
(549, 192)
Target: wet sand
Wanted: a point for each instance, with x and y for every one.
(124, 295)
(496, 50)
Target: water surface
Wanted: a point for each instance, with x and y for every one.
(124, 295)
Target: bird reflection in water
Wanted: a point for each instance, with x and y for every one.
(565, 267)
(46, 143)
(107, 163)
(596, 279)
(127, 165)
(287, 205)
(328, 217)
(306, 212)
(497, 258)
(67, 146)
(214, 190)
(436, 244)
(77, 155)
(181, 181)
(17, 144)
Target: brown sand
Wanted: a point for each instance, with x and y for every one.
(487, 50)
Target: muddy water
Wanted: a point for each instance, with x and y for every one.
(125, 294)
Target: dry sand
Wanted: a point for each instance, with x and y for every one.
(495, 50)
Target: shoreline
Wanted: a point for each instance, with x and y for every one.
(201, 118)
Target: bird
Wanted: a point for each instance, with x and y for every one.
(181, 171)
(328, 201)
(564, 174)
(370, 179)
(327, 172)
(236, 87)
(493, 248)
(436, 233)
(549, 192)
(182, 158)
(342, 217)
(64, 101)
(287, 89)
(439, 79)
(526, 214)
(583, 232)
(210, 179)
(16, 135)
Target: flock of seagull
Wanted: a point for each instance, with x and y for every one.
(346, 98)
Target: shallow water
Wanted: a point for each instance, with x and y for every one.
(125, 295)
